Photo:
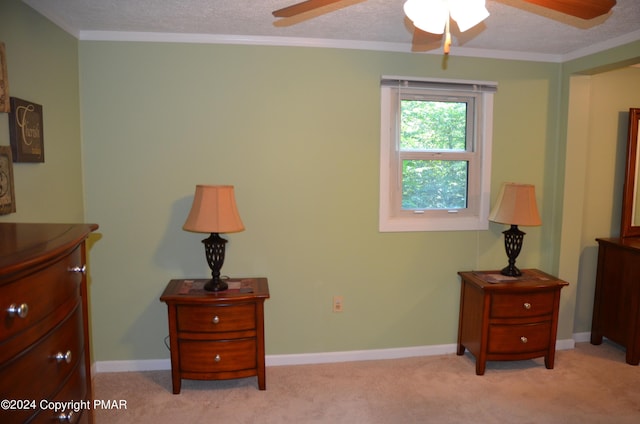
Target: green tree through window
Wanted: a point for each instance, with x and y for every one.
(432, 127)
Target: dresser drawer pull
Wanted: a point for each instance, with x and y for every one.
(65, 418)
(527, 305)
(217, 358)
(216, 320)
(523, 339)
(81, 269)
(20, 311)
(66, 357)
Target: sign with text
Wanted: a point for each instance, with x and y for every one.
(25, 131)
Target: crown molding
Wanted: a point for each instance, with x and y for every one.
(605, 45)
(157, 37)
(332, 43)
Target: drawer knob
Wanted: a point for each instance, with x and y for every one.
(527, 305)
(217, 358)
(66, 357)
(19, 311)
(81, 269)
(523, 339)
(215, 319)
(65, 418)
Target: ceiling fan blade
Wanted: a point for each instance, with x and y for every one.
(424, 41)
(303, 7)
(585, 9)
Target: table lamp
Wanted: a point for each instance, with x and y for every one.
(214, 211)
(516, 205)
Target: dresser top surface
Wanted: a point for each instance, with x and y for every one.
(24, 244)
(631, 243)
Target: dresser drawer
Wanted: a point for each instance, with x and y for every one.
(513, 339)
(41, 292)
(522, 305)
(209, 318)
(36, 373)
(73, 390)
(217, 356)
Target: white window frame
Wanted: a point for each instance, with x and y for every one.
(391, 216)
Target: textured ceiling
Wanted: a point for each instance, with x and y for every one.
(514, 29)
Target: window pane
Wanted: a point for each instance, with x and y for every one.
(433, 125)
(434, 184)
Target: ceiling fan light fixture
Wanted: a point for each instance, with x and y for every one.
(427, 15)
(432, 15)
(468, 13)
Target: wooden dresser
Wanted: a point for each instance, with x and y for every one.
(508, 318)
(616, 304)
(44, 337)
(216, 335)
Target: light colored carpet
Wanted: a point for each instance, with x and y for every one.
(589, 384)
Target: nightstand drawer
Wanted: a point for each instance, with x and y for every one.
(214, 356)
(198, 318)
(522, 305)
(515, 339)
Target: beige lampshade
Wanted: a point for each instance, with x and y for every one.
(516, 205)
(214, 210)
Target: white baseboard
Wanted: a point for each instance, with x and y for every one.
(358, 355)
(133, 365)
(318, 358)
(582, 337)
(565, 344)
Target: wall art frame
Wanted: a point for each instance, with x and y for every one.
(7, 191)
(26, 131)
(4, 81)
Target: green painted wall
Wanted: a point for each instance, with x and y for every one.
(42, 63)
(597, 128)
(296, 130)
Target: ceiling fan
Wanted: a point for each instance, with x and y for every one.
(584, 9)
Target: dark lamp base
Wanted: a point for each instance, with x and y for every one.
(512, 243)
(215, 285)
(511, 271)
(214, 251)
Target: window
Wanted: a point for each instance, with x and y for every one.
(435, 154)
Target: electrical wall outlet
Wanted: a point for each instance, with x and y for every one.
(337, 304)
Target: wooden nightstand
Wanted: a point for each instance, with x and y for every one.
(216, 335)
(508, 318)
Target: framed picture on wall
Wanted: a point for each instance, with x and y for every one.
(4, 81)
(25, 131)
(7, 193)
